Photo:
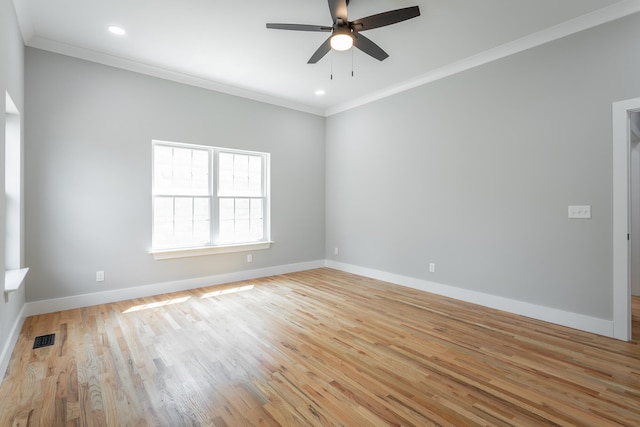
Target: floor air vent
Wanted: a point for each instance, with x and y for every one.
(44, 340)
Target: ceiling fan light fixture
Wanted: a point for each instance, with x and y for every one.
(341, 41)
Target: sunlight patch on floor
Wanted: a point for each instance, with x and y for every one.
(156, 304)
(227, 291)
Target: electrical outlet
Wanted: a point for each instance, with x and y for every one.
(432, 267)
(99, 276)
(335, 251)
(249, 258)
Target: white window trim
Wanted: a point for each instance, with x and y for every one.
(14, 275)
(185, 252)
(13, 279)
(161, 254)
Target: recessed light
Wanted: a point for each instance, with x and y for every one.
(320, 92)
(117, 30)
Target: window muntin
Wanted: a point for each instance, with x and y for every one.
(187, 212)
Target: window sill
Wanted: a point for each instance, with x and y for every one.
(161, 254)
(13, 279)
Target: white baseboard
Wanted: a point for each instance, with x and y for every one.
(547, 314)
(86, 300)
(7, 347)
(552, 315)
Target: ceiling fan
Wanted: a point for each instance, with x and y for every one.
(346, 34)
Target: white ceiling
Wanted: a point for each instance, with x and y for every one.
(224, 45)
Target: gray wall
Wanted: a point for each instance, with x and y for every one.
(88, 163)
(12, 81)
(475, 173)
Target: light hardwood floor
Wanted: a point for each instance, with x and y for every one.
(316, 348)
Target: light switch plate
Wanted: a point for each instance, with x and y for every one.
(580, 212)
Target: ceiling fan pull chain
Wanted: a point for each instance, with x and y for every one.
(331, 65)
(351, 62)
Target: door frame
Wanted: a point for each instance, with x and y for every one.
(621, 183)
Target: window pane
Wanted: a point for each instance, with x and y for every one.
(242, 230)
(201, 220)
(183, 208)
(162, 168)
(181, 221)
(201, 232)
(182, 232)
(241, 220)
(239, 175)
(201, 209)
(255, 176)
(256, 208)
(227, 209)
(225, 173)
(163, 234)
(257, 229)
(226, 231)
(257, 222)
(180, 171)
(162, 221)
(200, 172)
(242, 209)
(163, 209)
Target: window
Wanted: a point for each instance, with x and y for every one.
(12, 185)
(209, 197)
(14, 275)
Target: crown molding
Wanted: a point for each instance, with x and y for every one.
(581, 23)
(572, 26)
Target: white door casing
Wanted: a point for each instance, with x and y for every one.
(621, 181)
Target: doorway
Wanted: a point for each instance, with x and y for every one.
(634, 201)
(625, 168)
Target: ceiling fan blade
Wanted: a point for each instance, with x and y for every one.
(385, 18)
(299, 27)
(369, 47)
(338, 9)
(322, 51)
